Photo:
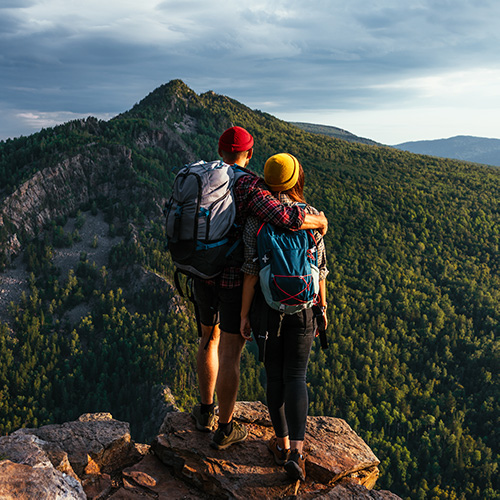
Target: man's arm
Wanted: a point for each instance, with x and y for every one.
(259, 201)
(249, 282)
(319, 222)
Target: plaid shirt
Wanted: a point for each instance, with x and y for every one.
(253, 197)
(251, 264)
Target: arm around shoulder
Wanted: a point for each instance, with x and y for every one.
(262, 204)
(319, 222)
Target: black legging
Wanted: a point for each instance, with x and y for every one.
(286, 362)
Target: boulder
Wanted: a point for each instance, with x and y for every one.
(247, 469)
(28, 449)
(24, 482)
(94, 458)
(335, 451)
(95, 443)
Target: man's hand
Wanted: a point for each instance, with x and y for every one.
(319, 222)
(245, 330)
(324, 228)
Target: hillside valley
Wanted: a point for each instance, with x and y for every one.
(93, 242)
(90, 321)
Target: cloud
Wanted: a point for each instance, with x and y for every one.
(476, 85)
(16, 4)
(24, 122)
(39, 120)
(273, 55)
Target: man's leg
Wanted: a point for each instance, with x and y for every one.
(207, 362)
(230, 348)
(228, 432)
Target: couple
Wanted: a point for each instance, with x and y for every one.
(224, 311)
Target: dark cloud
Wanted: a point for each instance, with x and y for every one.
(16, 4)
(276, 56)
(8, 27)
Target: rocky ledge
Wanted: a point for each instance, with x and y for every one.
(94, 457)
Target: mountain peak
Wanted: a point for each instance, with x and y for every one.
(162, 101)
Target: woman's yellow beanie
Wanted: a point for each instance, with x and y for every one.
(281, 172)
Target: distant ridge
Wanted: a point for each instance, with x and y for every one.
(336, 132)
(461, 147)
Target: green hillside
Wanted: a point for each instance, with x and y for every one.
(336, 132)
(414, 292)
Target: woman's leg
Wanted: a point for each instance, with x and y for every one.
(298, 337)
(275, 386)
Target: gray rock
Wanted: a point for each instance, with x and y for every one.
(24, 482)
(94, 443)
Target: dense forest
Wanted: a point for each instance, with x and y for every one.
(414, 293)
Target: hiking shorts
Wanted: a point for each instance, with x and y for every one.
(218, 305)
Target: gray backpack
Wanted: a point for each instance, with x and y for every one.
(199, 215)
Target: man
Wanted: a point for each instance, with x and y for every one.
(219, 303)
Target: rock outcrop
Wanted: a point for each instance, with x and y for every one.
(64, 188)
(94, 457)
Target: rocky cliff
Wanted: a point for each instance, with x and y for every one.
(94, 457)
(62, 189)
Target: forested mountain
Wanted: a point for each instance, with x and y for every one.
(461, 147)
(414, 286)
(336, 132)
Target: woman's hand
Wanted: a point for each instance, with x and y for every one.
(324, 321)
(245, 329)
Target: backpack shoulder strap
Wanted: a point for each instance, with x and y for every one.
(239, 172)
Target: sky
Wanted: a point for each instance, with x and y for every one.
(388, 70)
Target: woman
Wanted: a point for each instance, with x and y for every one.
(290, 336)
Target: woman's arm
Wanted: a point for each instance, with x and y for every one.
(322, 301)
(249, 282)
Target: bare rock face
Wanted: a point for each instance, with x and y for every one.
(347, 490)
(34, 468)
(151, 477)
(94, 443)
(65, 187)
(95, 458)
(62, 189)
(23, 482)
(247, 469)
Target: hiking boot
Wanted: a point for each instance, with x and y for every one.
(280, 456)
(204, 421)
(295, 466)
(220, 441)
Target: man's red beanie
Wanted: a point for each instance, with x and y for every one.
(235, 139)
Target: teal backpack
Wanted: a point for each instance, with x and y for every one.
(289, 273)
(289, 279)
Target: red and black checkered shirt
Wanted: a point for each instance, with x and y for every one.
(253, 197)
